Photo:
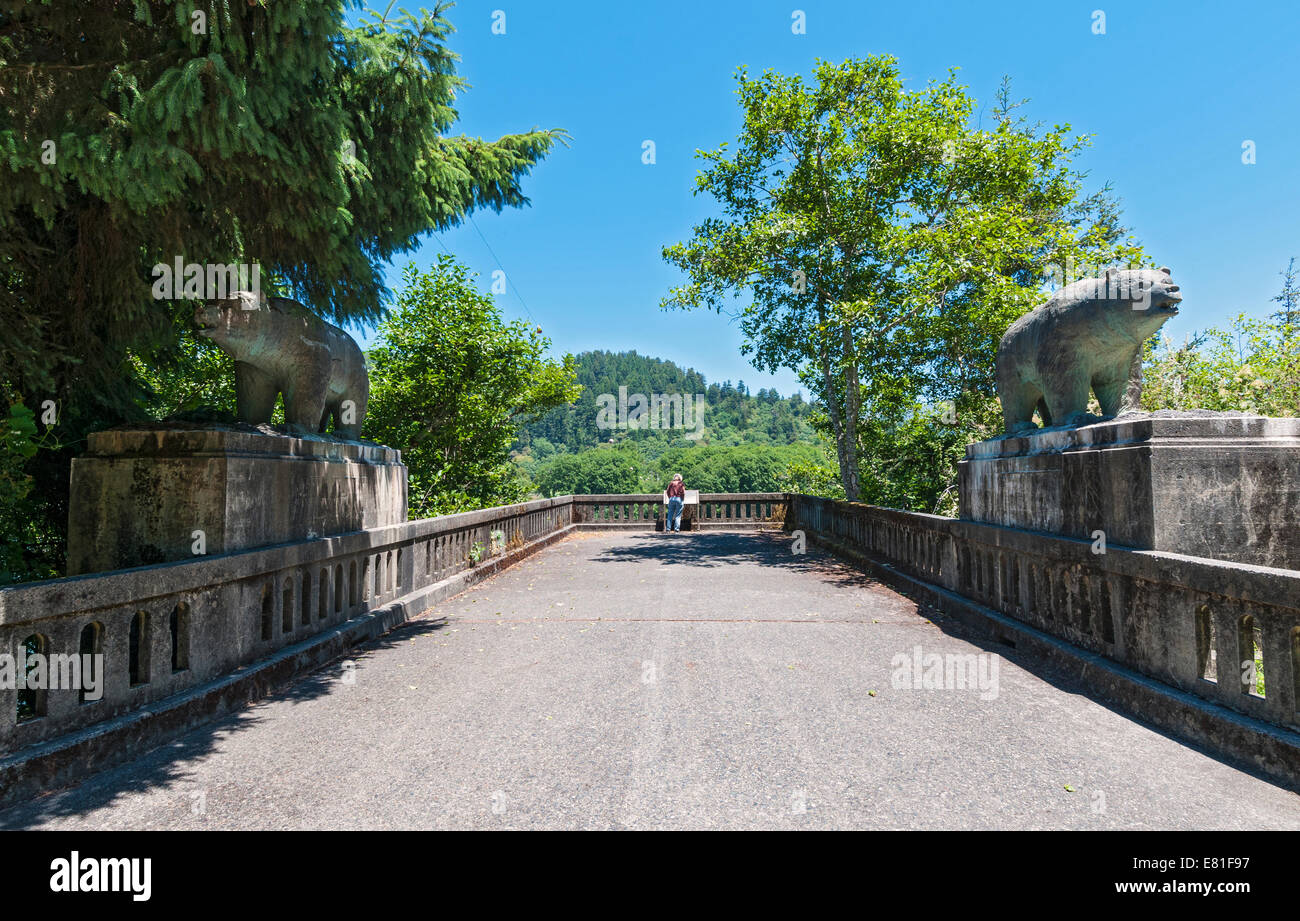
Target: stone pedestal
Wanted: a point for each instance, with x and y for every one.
(138, 495)
(1219, 485)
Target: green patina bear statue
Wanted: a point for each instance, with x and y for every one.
(1088, 335)
(280, 346)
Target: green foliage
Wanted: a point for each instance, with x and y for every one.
(747, 441)
(745, 445)
(450, 381)
(910, 454)
(886, 242)
(1288, 298)
(812, 478)
(734, 415)
(197, 379)
(626, 468)
(24, 550)
(139, 132)
(1253, 366)
(732, 468)
(610, 469)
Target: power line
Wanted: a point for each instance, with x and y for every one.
(513, 287)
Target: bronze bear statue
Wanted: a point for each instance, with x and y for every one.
(280, 346)
(1088, 335)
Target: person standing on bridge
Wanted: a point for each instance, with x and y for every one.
(676, 494)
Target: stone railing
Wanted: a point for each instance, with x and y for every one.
(716, 510)
(165, 629)
(758, 509)
(168, 628)
(1193, 623)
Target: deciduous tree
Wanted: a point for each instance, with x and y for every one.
(883, 239)
(450, 381)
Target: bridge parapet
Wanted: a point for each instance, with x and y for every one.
(176, 629)
(168, 628)
(644, 511)
(1207, 627)
(171, 627)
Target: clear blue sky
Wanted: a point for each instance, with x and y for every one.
(1170, 92)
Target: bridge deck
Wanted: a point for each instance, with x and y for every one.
(646, 681)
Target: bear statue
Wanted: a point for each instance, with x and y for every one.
(1088, 335)
(280, 346)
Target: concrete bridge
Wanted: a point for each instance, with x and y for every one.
(616, 677)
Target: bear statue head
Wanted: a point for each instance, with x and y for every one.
(1138, 300)
(1148, 291)
(236, 323)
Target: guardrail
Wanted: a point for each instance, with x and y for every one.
(644, 511)
(164, 629)
(1196, 624)
(1208, 627)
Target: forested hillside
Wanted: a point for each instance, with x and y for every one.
(734, 415)
(601, 443)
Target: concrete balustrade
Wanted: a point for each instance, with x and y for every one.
(199, 619)
(1193, 623)
(171, 631)
(645, 511)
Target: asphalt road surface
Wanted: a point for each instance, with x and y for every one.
(711, 680)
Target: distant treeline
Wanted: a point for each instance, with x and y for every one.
(747, 441)
(627, 468)
(734, 414)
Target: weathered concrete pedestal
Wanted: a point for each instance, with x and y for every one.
(1220, 485)
(138, 495)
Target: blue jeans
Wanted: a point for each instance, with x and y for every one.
(674, 522)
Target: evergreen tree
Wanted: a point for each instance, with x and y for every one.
(133, 133)
(137, 132)
(1289, 297)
